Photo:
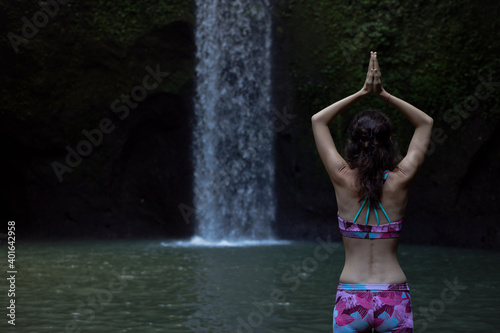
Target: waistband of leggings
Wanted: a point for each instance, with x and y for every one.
(374, 287)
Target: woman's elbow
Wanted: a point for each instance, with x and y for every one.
(430, 120)
(316, 119)
(427, 120)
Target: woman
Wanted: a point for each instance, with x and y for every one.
(372, 187)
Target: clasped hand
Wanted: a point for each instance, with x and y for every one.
(373, 82)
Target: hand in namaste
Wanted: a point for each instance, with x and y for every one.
(373, 82)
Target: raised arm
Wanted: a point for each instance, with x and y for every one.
(422, 122)
(334, 163)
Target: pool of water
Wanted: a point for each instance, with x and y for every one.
(150, 286)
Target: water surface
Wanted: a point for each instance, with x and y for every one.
(144, 286)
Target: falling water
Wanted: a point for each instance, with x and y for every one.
(233, 138)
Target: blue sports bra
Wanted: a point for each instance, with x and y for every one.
(356, 230)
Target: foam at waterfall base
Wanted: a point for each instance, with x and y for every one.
(200, 242)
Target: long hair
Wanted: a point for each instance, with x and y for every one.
(372, 149)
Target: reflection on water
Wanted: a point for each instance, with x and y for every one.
(199, 241)
(144, 286)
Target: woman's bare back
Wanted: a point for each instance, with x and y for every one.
(372, 261)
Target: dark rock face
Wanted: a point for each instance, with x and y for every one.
(126, 179)
(306, 207)
(130, 186)
(153, 174)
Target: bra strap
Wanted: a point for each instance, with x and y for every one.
(359, 211)
(385, 213)
(367, 211)
(375, 209)
(376, 215)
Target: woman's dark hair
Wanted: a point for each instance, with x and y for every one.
(371, 149)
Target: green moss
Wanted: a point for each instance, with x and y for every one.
(87, 55)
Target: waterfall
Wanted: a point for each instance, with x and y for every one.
(233, 136)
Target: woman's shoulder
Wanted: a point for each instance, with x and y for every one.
(398, 183)
(402, 175)
(346, 176)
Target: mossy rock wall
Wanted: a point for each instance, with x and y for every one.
(99, 67)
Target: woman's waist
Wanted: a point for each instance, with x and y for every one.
(360, 272)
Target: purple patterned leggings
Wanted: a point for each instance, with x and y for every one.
(363, 307)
